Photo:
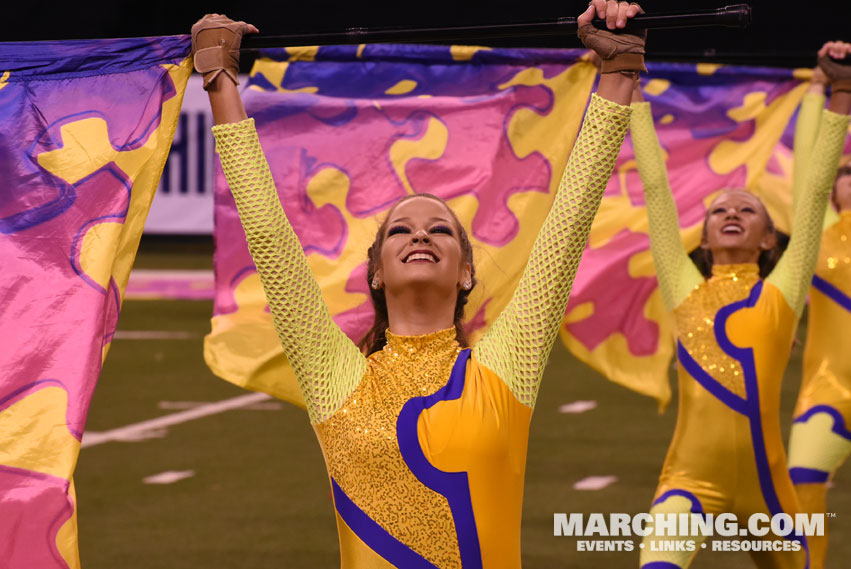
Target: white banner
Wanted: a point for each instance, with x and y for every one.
(183, 203)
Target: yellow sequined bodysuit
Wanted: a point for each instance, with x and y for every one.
(734, 335)
(821, 434)
(425, 443)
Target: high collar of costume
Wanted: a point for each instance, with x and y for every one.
(736, 271)
(435, 342)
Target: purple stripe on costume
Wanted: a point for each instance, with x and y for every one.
(832, 292)
(660, 565)
(376, 537)
(839, 426)
(453, 485)
(696, 506)
(746, 360)
(802, 475)
(711, 384)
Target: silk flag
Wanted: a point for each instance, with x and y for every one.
(85, 128)
(349, 130)
(719, 127)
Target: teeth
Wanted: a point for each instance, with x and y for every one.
(420, 257)
(731, 229)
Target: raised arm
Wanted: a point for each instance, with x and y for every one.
(326, 363)
(794, 271)
(675, 271)
(518, 343)
(806, 129)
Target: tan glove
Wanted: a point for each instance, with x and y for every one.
(838, 75)
(620, 51)
(215, 47)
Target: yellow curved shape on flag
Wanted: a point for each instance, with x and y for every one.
(254, 359)
(430, 146)
(86, 148)
(613, 355)
(66, 537)
(274, 72)
(708, 68)
(656, 87)
(465, 52)
(769, 123)
(98, 251)
(500, 268)
(402, 87)
(38, 422)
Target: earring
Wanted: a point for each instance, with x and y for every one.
(375, 283)
(467, 285)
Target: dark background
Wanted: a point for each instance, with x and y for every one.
(782, 33)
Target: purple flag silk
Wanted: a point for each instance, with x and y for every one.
(85, 127)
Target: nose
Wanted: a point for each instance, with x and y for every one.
(732, 212)
(420, 235)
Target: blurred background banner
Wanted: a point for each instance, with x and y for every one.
(183, 203)
(348, 130)
(85, 127)
(719, 127)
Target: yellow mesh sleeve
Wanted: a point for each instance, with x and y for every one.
(675, 271)
(794, 271)
(326, 362)
(806, 129)
(518, 343)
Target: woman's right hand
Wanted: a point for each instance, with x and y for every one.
(619, 50)
(215, 46)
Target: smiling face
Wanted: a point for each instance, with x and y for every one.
(737, 225)
(422, 246)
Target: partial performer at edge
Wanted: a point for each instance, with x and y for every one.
(734, 336)
(821, 433)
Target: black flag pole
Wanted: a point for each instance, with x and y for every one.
(734, 16)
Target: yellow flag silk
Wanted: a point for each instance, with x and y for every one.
(348, 130)
(719, 127)
(85, 128)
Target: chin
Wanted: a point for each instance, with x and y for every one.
(425, 282)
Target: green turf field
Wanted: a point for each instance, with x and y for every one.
(259, 496)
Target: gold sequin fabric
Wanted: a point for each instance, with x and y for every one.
(362, 452)
(695, 321)
(517, 345)
(834, 263)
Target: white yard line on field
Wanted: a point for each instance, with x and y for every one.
(595, 482)
(577, 407)
(183, 274)
(168, 477)
(155, 335)
(138, 431)
(181, 405)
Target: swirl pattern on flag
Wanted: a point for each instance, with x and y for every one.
(85, 128)
(719, 127)
(348, 130)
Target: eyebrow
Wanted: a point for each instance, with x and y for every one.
(408, 219)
